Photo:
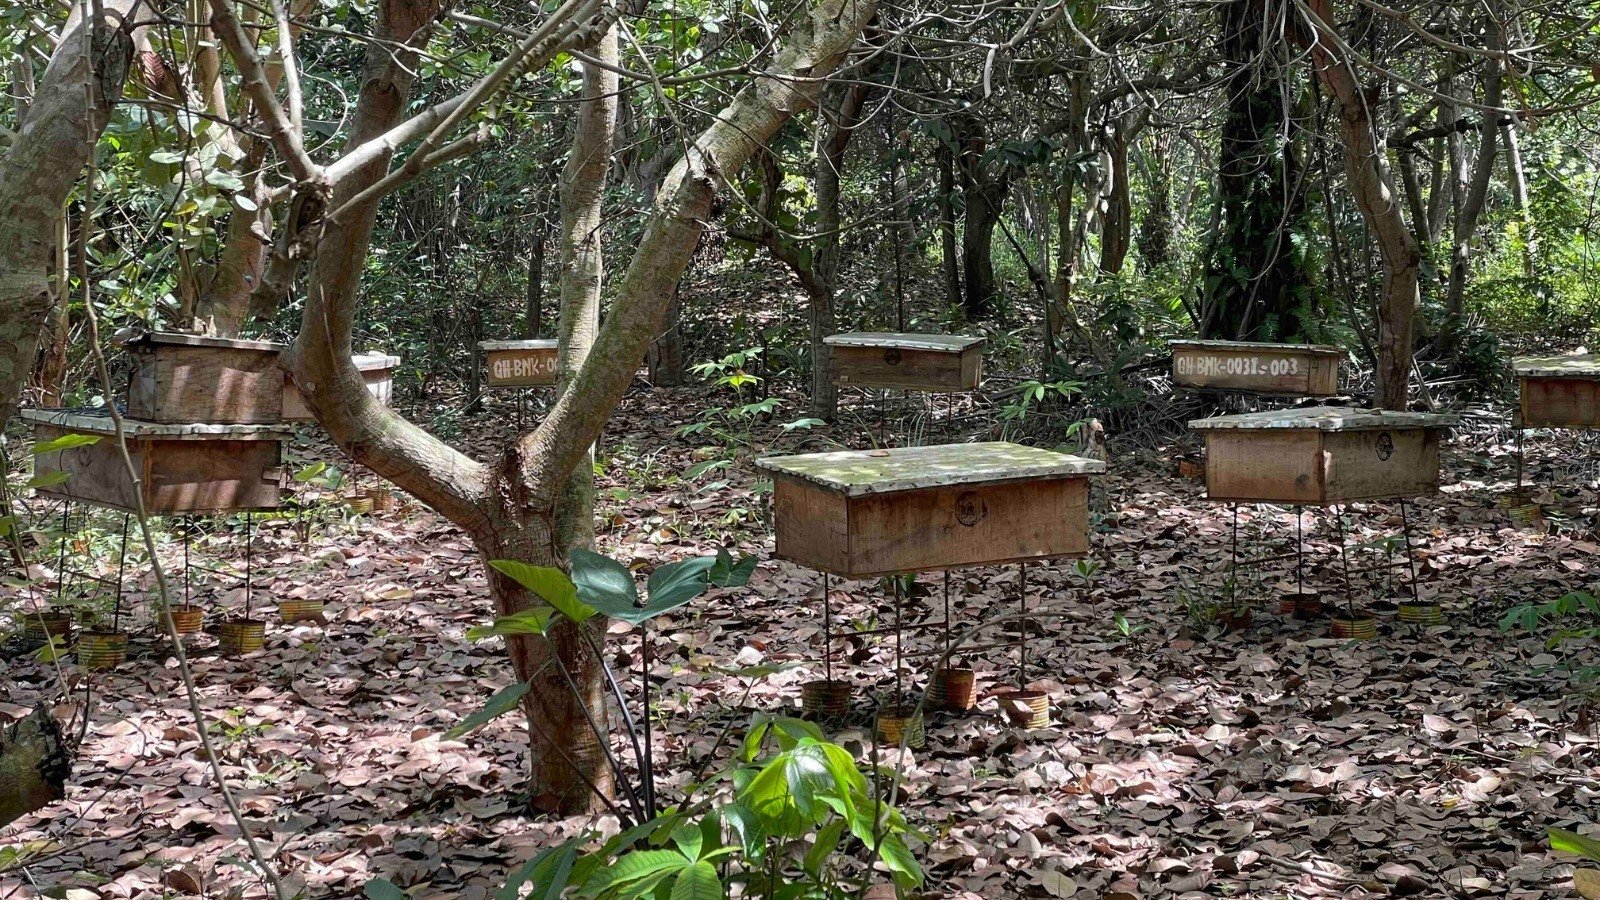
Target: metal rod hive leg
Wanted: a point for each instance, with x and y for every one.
(122, 568)
(1411, 555)
(1344, 562)
(827, 629)
(1022, 625)
(1299, 551)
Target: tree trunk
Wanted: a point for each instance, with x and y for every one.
(839, 127)
(664, 358)
(985, 197)
(1117, 235)
(1155, 229)
(572, 765)
(1367, 170)
(533, 312)
(510, 509)
(950, 262)
(1517, 176)
(1251, 274)
(37, 173)
(1472, 200)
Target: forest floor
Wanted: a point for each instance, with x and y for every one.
(1269, 762)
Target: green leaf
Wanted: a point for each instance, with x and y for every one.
(65, 442)
(529, 621)
(725, 573)
(688, 838)
(503, 701)
(603, 583)
(635, 866)
(383, 889)
(698, 882)
(1572, 842)
(548, 583)
(675, 584)
(827, 842)
(310, 472)
(47, 479)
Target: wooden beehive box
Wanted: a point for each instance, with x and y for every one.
(194, 468)
(1560, 391)
(911, 362)
(1299, 370)
(521, 363)
(1321, 455)
(377, 370)
(918, 509)
(186, 378)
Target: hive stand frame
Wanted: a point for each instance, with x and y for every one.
(898, 630)
(66, 574)
(1571, 386)
(1336, 512)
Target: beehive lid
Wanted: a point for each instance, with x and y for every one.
(1571, 365)
(97, 420)
(858, 473)
(372, 362)
(1324, 418)
(178, 339)
(1256, 347)
(534, 344)
(903, 341)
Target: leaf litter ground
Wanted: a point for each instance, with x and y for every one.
(1183, 761)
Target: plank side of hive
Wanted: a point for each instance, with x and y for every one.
(928, 510)
(182, 378)
(1321, 455)
(1560, 391)
(912, 362)
(183, 469)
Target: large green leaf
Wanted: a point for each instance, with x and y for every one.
(698, 882)
(548, 583)
(726, 573)
(65, 442)
(675, 584)
(632, 867)
(503, 701)
(604, 584)
(548, 874)
(529, 621)
(1572, 842)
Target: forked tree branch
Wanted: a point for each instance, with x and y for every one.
(285, 136)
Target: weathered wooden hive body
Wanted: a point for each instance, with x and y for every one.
(1560, 391)
(183, 468)
(1321, 455)
(531, 363)
(918, 509)
(185, 378)
(937, 363)
(1296, 370)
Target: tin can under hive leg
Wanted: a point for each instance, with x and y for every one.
(242, 636)
(825, 699)
(953, 688)
(900, 722)
(99, 650)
